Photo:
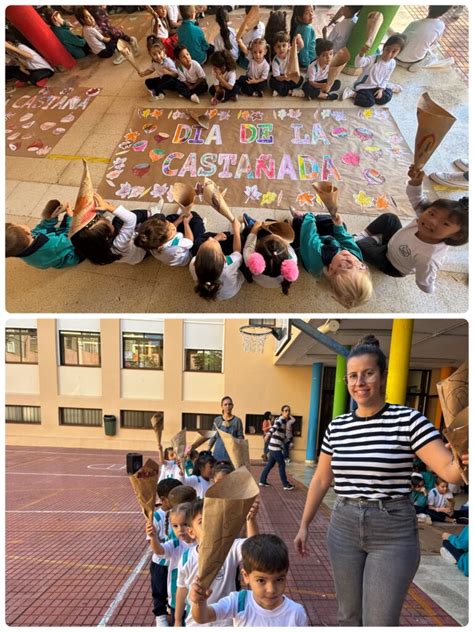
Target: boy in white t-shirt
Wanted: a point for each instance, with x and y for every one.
(316, 86)
(265, 567)
(225, 581)
(191, 80)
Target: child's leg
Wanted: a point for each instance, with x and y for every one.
(246, 88)
(228, 245)
(159, 591)
(376, 254)
(197, 226)
(201, 88)
(310, 91)
(335, 86)
(455, 552)
(37, 75)
(436, 516)
(365, 98)
(109, 49)
(159, 84)
(385, 98)
(386, 225)
(296, 225)
(282, 87)
(182, 89)
(230, 94)
(260, 86)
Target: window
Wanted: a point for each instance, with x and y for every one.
(253, 424)
(203, 360)
(79, 348)
(142, 351)
(80, 417)
(21, 346)
(197, 421)
(23, 414)
(136, 418)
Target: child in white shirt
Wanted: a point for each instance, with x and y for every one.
(201, 478)
(225, 581)
(248, 37)
(372, 88)
(440, 502)
(265, 567)
(280, 83)
(169, 468)
(216, 266)
(421, 246)
(162, 67)
(100, 44)
(341, 30)
(316, 86)
(422, 41)
(191, 76)
(33, 70)
(223, 68)
(255, 81)
(226, 39)
(160, 236)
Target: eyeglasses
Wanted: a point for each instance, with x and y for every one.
(367, 377)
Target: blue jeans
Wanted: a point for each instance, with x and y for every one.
(374, 552)
(275, 456)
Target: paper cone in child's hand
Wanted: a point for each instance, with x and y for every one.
(374, 22)
(457, 433)
(157, 425)
(434, 122)
(454, 393)
(207, 434)
(144, 485)
(226, 505)
(184, 195)
(293, 70)
(126, 51)
(237, 449)
(328, 194)
(337, 65)
(179, 443)
(280, 229)
(249, 22)
(214, 197)
(84, 208)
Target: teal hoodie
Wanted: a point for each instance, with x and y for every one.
(461, 542)
(51, 248)
(307, 54)
(192, 36)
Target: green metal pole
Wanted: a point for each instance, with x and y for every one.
(341, 395)
(359, 34)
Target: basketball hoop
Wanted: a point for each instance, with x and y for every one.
(254, 337)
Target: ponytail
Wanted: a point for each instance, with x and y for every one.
(222, 18)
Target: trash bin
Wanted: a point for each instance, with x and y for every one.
(110, 425)
(134, 462)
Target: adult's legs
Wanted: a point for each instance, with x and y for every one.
(278, 456)
(268, 467)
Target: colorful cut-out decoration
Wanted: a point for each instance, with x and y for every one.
(279, 199)
(156, 114)
(252, 193)
(47, 126)
(282, 114)
(268, 198)
(350, 158)
(245, 114)
(363, 200)
(15, 146)
(136, 192)
(294, 114)
(380, 115)
(156, 154)
(149, 128)
(305, 199)
(119, 163)
(382, 203)
(141, 169)
(373, 176)
(161, 136)
(124, 190)
(58, 131)
(92, 92)
(64, 91)
(113, 175)
(177, 114)
(363, 133)
(395, 139)
(14, 136)
(339, 132)
(212, 113)
(223, 115)
(159, 190)
(338, 115)
(170, 195)
(28, 125)
(256, 116)
(140, 145)
(38, 144)
(42, 151)
(373, 151)
(26, 136)
(26, 117)
(145, 113)
(367, 113)
(125, 145)
(325, 114)
(132, 136)
(69, 118)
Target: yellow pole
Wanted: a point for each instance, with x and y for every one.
(399, 360)
(444, 372)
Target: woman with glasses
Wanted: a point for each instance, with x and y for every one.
(373, 533)
(225, 422)
(276, 449)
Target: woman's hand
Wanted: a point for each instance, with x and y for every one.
(300, 541)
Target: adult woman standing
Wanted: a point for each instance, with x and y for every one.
(276, 445)
(373, 533)
(226, 422)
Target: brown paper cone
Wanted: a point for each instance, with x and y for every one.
(293, 71)
(201, 119)
(184, 195)
(211, 30)
(84, 208)
(374, 22)
(280, 229)
(124, 48)
(214, 197)
(454, 393)
(458, 436)
(226, 505)
(434, 123)
(157, 424)
(178, 441)
(328, 194)
(207, 434)
(237, 449)
(250, 20)
(337, 65)
(144, 485)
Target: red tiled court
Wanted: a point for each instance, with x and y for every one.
(76, 551)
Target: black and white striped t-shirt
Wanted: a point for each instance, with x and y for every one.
(277, 436)
(372, 457)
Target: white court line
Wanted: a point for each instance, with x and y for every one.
(96, 454)
(51, 474)
(121, 593)
(77, 511)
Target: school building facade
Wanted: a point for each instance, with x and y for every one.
(63, 376)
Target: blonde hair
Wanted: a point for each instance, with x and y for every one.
(16, 240)
(352, 289)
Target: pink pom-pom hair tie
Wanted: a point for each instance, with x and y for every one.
(256, 263)
(289, 270)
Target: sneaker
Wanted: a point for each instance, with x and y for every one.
(308, 98)
(134, 44)
(118, 59)
(249, 221)
(348, 93)
(194, 98)
(288, 487)
(442, 62)
(181, 96)
(332, 96)
(160, 96)
(461, 164)
(275, 93)
(446, 555)
(264, 485)
(259, 94)
(287, 461)
(234, 98)
(42, 82)
(20, 84)
(152, 94)
(162, 621)
(297, 93)
(295, 213)
(396, 88)
(454, 180)
(214, 101)
(428, 519)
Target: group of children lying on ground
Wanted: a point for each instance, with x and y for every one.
(265, 253)
(248, 589)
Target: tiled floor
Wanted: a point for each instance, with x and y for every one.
(72, 517)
